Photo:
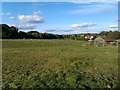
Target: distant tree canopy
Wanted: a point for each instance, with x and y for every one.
(11, 32)
(111, 34)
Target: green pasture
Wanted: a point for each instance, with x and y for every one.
(58, 64)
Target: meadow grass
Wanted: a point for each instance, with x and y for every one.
(58, 63)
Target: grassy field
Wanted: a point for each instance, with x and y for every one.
(58, 63)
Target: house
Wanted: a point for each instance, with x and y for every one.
(89, 37)
(102, 41)
(108, 39)
(99, 41)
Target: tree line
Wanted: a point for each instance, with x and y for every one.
(111, 34)
(11, 32)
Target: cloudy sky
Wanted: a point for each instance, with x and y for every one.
(61, 17)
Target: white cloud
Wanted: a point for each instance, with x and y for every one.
(28, 21)
(37, 12)
(75, 26)
(82, 25)
(31, 18)
(11, 25)
(25, 26)
(113, 26)
(12, 17)
(34, 18)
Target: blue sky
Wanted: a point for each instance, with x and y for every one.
(61, 17)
